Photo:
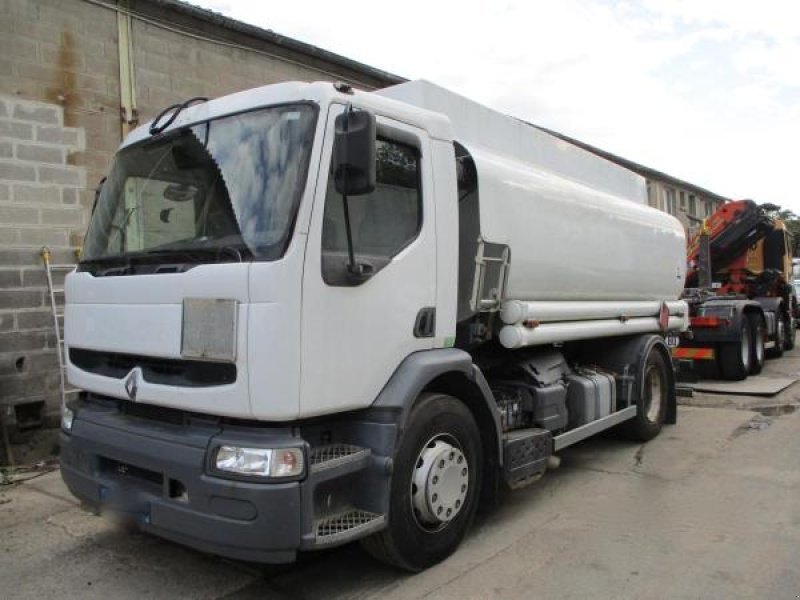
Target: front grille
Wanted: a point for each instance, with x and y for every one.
(165, 371)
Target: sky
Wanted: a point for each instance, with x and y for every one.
(705, 90)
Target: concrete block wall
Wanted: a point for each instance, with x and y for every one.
(170, 68)
(60, 125)
(39, 191)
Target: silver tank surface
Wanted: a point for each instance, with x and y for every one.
(578, 226)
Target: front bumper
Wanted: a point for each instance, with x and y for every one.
(156, 473)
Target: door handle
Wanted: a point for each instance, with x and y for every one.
(425, 323)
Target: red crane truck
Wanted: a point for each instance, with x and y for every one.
(738, 287)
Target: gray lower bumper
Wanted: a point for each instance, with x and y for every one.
(157, 475)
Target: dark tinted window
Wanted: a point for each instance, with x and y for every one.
(383, 222)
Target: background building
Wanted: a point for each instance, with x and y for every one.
(688, 202)
(75, 76)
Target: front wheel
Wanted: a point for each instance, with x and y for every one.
(435, 485)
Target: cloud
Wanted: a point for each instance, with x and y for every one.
(707, 91)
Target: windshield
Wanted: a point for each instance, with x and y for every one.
(221, 190)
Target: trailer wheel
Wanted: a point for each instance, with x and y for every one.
(734, 359)
(653, 400)
(435, 486)
(790, 333)
(757, 335)
(780, 340)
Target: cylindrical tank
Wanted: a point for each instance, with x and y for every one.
(578, 226)
(570, 241)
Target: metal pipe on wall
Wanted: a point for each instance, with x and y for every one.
(129, 115)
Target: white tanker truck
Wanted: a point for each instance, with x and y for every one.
(306, 314)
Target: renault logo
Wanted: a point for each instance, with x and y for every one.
(132, 383)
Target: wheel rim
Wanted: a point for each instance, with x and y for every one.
(745, 349)
(654, 390)
(439, 483)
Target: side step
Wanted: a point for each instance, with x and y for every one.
(335, 460)
(345, 526)
(525, 454)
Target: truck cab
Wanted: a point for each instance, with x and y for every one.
(240, 208)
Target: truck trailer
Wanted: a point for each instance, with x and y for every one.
(739, 290)
(306, 314)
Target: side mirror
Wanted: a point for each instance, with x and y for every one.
(354, 153)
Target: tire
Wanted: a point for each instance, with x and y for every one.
(653, 400)
(734, 357)
(780, 340)
(791, 333)
(757, 336)
(415, 538)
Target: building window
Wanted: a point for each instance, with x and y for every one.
(652, 197)
(669, 201)
(692, 205)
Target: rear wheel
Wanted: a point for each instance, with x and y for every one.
(654, 398)
(780, 340)
(435, 485)
(734, 359)
(790, 333)
(757, 335)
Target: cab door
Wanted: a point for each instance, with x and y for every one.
(357, 330)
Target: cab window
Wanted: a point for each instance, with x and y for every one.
(382, 223)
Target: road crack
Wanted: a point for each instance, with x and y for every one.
(639, 457)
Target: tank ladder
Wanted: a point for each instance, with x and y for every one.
(58, 321)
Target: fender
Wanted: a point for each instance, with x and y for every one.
(771, 304)
(730, 332)
(420, 369)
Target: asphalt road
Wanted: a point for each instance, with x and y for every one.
(709, 509)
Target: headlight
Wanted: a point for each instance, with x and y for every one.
(67, 416)
(260, 462)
